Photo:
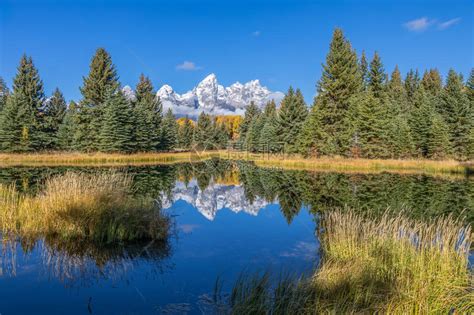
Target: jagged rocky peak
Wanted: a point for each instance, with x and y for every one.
(211, 97)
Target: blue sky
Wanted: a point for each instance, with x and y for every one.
(281, 43)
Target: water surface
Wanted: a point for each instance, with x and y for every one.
(229, 217)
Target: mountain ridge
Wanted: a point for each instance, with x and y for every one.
(212, 98)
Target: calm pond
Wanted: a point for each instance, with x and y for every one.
(229, 218)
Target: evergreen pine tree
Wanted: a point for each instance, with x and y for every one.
(54, 112)
(370, 126)
(438, 142)
(250, 112)
(470, 89)
(268, 134)
(397, 93)
(26, 131)
(221, 135)
(432, 82)
(3, 93)
(340, 82)
(169, 136)
(412, 81)
(66, 128)
(399, 137)
(203, 132)
(14, 124)
(97, 86)
(253, 134)
(185, 134)
(290, 118)
(377, 76)
(115, 134)
(312, 134)
(147, 113)
(421, 117)
(456, 111)
(364, 69)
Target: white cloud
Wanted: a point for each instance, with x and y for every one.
(418, 25)
(256, 33)
(188, 66)
(422, 24)
(448, 23)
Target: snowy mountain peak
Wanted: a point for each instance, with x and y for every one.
(211, 97)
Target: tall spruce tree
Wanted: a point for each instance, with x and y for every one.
(290, 118)
(203, 132)
(221, 134)
(250, 112)
(22, 121)
(147, 112)
(253, 134)
(115, 134)
(377, 76)
(412, 81)
(268, 134)
(54, 112)
(186, 134)
(364, 69)
(66, 128)
(169, 133)
(439, 146)
(3, 93)
(101, 81)
(456, 111)
(470, 89)
(340, 82)
(432, 82)
(370, 127)
(399, 137)
(420, 120)
(397, 93)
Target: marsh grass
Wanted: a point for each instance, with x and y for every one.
(286, 161)
(394, 264)
(101, 159)
(390, 264)
(372, 166)
(98, 207)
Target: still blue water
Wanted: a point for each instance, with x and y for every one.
(201, 251)
(226, 221)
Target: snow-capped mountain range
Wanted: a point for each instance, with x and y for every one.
(212, 98)
(214, 198)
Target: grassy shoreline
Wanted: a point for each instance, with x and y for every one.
(331, 164)
(372, 265)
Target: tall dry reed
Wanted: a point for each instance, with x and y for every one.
(394, 264)
(98, 207)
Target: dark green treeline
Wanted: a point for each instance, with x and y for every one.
(105, 119)
(359, 111)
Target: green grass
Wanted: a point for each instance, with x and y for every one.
(96, 207)
(389, 265)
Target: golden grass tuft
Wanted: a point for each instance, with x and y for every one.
(394, 265)
(97, 207)
(384, 265)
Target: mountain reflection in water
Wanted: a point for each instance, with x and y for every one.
(229, 217)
